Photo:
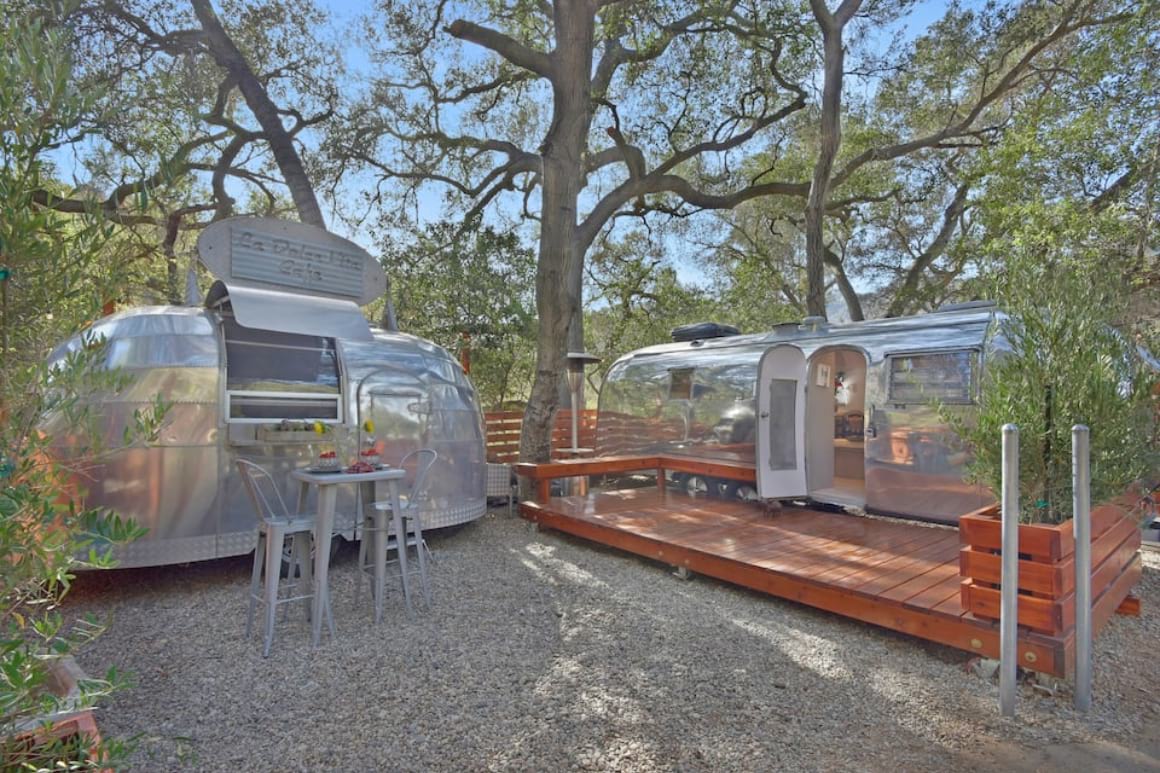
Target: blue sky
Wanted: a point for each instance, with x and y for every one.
(345, 14)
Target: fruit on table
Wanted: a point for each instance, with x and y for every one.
(360, 467)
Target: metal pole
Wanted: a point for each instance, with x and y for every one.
(1082, 524)
(1009, 600)
(575, 418)
(575, 487)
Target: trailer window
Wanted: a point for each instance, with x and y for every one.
(272, 376)
(947, 377)
(681, 384)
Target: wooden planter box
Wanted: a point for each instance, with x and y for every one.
(1047, 565)
(65, 725)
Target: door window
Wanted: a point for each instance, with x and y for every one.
(782, 425)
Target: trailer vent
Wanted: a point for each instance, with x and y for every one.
(703, 330)
(965, 306)
(814, 325)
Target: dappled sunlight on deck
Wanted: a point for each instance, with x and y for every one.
(895, 574)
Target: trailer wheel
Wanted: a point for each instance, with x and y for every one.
(743, 491)
(696, 486)
(717, 487)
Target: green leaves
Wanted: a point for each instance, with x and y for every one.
(58, 274)
(1062, 363)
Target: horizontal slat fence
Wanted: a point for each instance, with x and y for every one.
(503, 433)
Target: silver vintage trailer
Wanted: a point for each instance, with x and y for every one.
(841, 414)
(279, 344)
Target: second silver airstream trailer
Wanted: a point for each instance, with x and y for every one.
(278, 346)
(842, 414)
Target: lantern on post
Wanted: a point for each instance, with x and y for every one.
(577, 361)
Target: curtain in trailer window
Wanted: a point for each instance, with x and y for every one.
(946, 377)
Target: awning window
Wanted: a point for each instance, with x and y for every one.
(282, 353)
(290, 313)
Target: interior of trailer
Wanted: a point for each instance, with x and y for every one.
(835, 422)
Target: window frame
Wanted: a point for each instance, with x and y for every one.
(336, 398)
(971, 398)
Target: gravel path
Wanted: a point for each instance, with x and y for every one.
(546, 653)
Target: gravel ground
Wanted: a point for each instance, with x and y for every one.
(547, 653)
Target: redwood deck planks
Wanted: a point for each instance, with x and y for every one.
(896, 575)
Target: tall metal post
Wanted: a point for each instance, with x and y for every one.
(1009, 599)
(575, 415)
(1081, 495)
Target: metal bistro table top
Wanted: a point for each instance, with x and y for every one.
(331, 478)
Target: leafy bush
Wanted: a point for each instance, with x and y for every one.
(54, 274)
(1060, 362)
(47, 537)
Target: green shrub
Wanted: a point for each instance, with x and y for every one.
(53, 273)
(45, 538)
(1060, 362)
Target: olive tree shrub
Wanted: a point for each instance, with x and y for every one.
(1062, 361)
(53, 277)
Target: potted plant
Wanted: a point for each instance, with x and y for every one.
(1062, 363)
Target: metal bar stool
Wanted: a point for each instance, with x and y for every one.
(379, 519)
(274, 526)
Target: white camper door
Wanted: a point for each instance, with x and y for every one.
(781, 423)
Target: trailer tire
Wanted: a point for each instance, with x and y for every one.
(697, 485)
(746, 492)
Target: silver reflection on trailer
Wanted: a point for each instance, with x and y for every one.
(279, 344)
(842, 414)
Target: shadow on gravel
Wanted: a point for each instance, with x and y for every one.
(541, 653)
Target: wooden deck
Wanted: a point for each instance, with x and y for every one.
(901, 576)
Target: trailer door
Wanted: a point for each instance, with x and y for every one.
(781, 400)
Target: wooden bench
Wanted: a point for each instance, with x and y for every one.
(545, 473)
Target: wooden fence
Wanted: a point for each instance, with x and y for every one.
(503, 433)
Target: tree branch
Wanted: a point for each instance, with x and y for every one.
(936, 248)
(507, 47)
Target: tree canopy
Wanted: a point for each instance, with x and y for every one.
(598, 172)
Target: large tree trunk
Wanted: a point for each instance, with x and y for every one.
(227, 55)
(830, 140)
(559, 272)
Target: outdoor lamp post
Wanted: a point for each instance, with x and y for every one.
(577, 361)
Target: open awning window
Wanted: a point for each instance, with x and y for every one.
(290, 313)
(279, 367)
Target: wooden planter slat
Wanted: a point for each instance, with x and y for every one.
(983, 567)
(1042, 542)
(1047, 565)
(1050, 616)
(1054, 580)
